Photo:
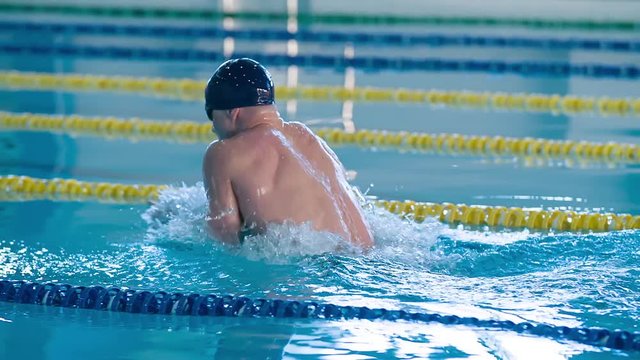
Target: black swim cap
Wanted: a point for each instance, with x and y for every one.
(238, 83)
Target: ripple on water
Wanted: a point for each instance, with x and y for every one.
(562, 278)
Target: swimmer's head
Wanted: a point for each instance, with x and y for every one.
(237, 83)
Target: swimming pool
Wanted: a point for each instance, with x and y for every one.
(519, 275)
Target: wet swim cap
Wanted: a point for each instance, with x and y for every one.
(238, 83)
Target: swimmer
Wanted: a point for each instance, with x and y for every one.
(263, 170)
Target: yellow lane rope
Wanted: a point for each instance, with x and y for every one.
(110, 127)
(23, 188)
(189, 131)
(27, 188)
(192, 90)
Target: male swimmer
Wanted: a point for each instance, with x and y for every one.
(263, 170)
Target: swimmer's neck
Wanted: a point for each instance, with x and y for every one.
(258, 116)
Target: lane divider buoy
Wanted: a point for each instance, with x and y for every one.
(157, 302)
(192, 90)
(451, 144)
(24, 188)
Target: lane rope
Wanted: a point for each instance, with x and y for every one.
(557, 69)
(321, 18)
(127, 300)
(193, 90)
(24, 188)
(451, 144)
(395, 39)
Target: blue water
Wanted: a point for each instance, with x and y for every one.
(562, 279)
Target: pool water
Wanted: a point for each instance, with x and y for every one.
(554, 278)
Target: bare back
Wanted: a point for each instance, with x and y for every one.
(288, 174)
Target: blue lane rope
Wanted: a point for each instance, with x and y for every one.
(160, 302)
(525, 68)
(395, 39)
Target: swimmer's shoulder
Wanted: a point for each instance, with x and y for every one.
(299, 127)
(254, 141)
(218, 153)
(216, 148)
(242, 147)
(228, 157)
(302, 132)
(261, 138)
(220, 148)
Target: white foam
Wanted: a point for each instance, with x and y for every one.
(282, 243)
(179, 216)
(404, 240)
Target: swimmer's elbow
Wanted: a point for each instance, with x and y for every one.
(225, 229)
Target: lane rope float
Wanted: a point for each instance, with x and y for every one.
(114, 299)
(450, 144)
(321, 18)
(332, 37)
(24, 188)
(192, 90)
(556, 69)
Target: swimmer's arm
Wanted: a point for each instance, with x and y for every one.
(224, 220)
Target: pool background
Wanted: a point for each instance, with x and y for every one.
(561, 279)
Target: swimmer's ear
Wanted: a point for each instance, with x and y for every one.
(233, 114)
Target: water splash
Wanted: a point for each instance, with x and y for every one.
(179, 217)
(528, 276)
(568, 279)
(283, 243)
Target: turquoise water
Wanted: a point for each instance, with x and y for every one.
(561, 279)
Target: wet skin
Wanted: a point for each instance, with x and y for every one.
(276, 172)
